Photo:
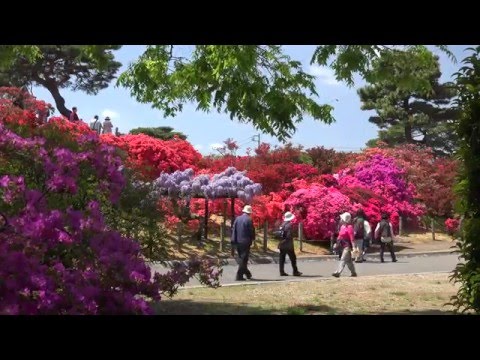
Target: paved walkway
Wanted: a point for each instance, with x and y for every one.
(315, 269)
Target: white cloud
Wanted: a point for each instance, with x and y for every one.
(215, 146)
(198, 147)
(324, 74)
(110, 113)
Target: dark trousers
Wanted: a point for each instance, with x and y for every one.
(291, 256)
(243, 252)
(390, 248)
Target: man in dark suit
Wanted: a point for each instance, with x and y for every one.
(243, 235)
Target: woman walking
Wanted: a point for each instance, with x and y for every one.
(346, 243)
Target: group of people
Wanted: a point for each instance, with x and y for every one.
(350, 241)
(105, 128)
(95, 124)
(243, 235)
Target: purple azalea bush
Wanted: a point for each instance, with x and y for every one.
(57, 255)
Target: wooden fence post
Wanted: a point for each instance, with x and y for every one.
(300, 235)
(400, 226)
(205, 231)
(179, 235)
(265, 236)
(223, 226)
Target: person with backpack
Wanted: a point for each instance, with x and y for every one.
(346, 243)
(384, 234)
(96, 125)
(333, 238)
(286, 245)
(361, 233)
(243, 235)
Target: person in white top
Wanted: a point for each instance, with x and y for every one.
(96, 125)
(107, 126)
(384, 234)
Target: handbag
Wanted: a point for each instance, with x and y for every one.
(386, 239)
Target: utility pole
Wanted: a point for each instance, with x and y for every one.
(256, 137)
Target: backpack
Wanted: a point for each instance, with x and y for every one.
(279, 233)
(359, 229)
(383, 232)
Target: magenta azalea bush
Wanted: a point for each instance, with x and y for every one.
(381, 175)
(376, 185)
(57, 255)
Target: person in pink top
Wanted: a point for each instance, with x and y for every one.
(73, 115)
(346, 243)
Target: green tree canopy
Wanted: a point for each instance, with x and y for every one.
(87, 68)
(422, 116)
(161, 132)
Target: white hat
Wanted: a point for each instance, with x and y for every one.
(247, 209)
(346, 217)
(288, 216)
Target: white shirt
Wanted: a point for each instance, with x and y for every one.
(367, 227)
(107, 127)
(95, 125)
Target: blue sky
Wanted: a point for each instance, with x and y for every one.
(350, 131)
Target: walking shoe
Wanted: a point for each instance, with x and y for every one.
(249, 276)
(354, 275)
(240, 279)
(283, 274)
(336, 275)
(394, 260)
(297, 273)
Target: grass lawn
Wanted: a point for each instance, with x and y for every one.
(395, 294)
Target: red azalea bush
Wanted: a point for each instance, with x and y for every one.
(151, 156)
(452, 226)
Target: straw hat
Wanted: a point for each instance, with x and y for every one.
(288, 216)
(247, 209)
(346, 217)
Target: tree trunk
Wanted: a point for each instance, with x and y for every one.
(59, 100)
(407, 124)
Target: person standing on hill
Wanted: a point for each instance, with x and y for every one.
(96, 125)
(107, 126)
(73, 115)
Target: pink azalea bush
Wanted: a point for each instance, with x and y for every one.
(318, 206)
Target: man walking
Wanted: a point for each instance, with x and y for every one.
(96, 125)
(384, 234)
(286, 245)
(243, 235)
